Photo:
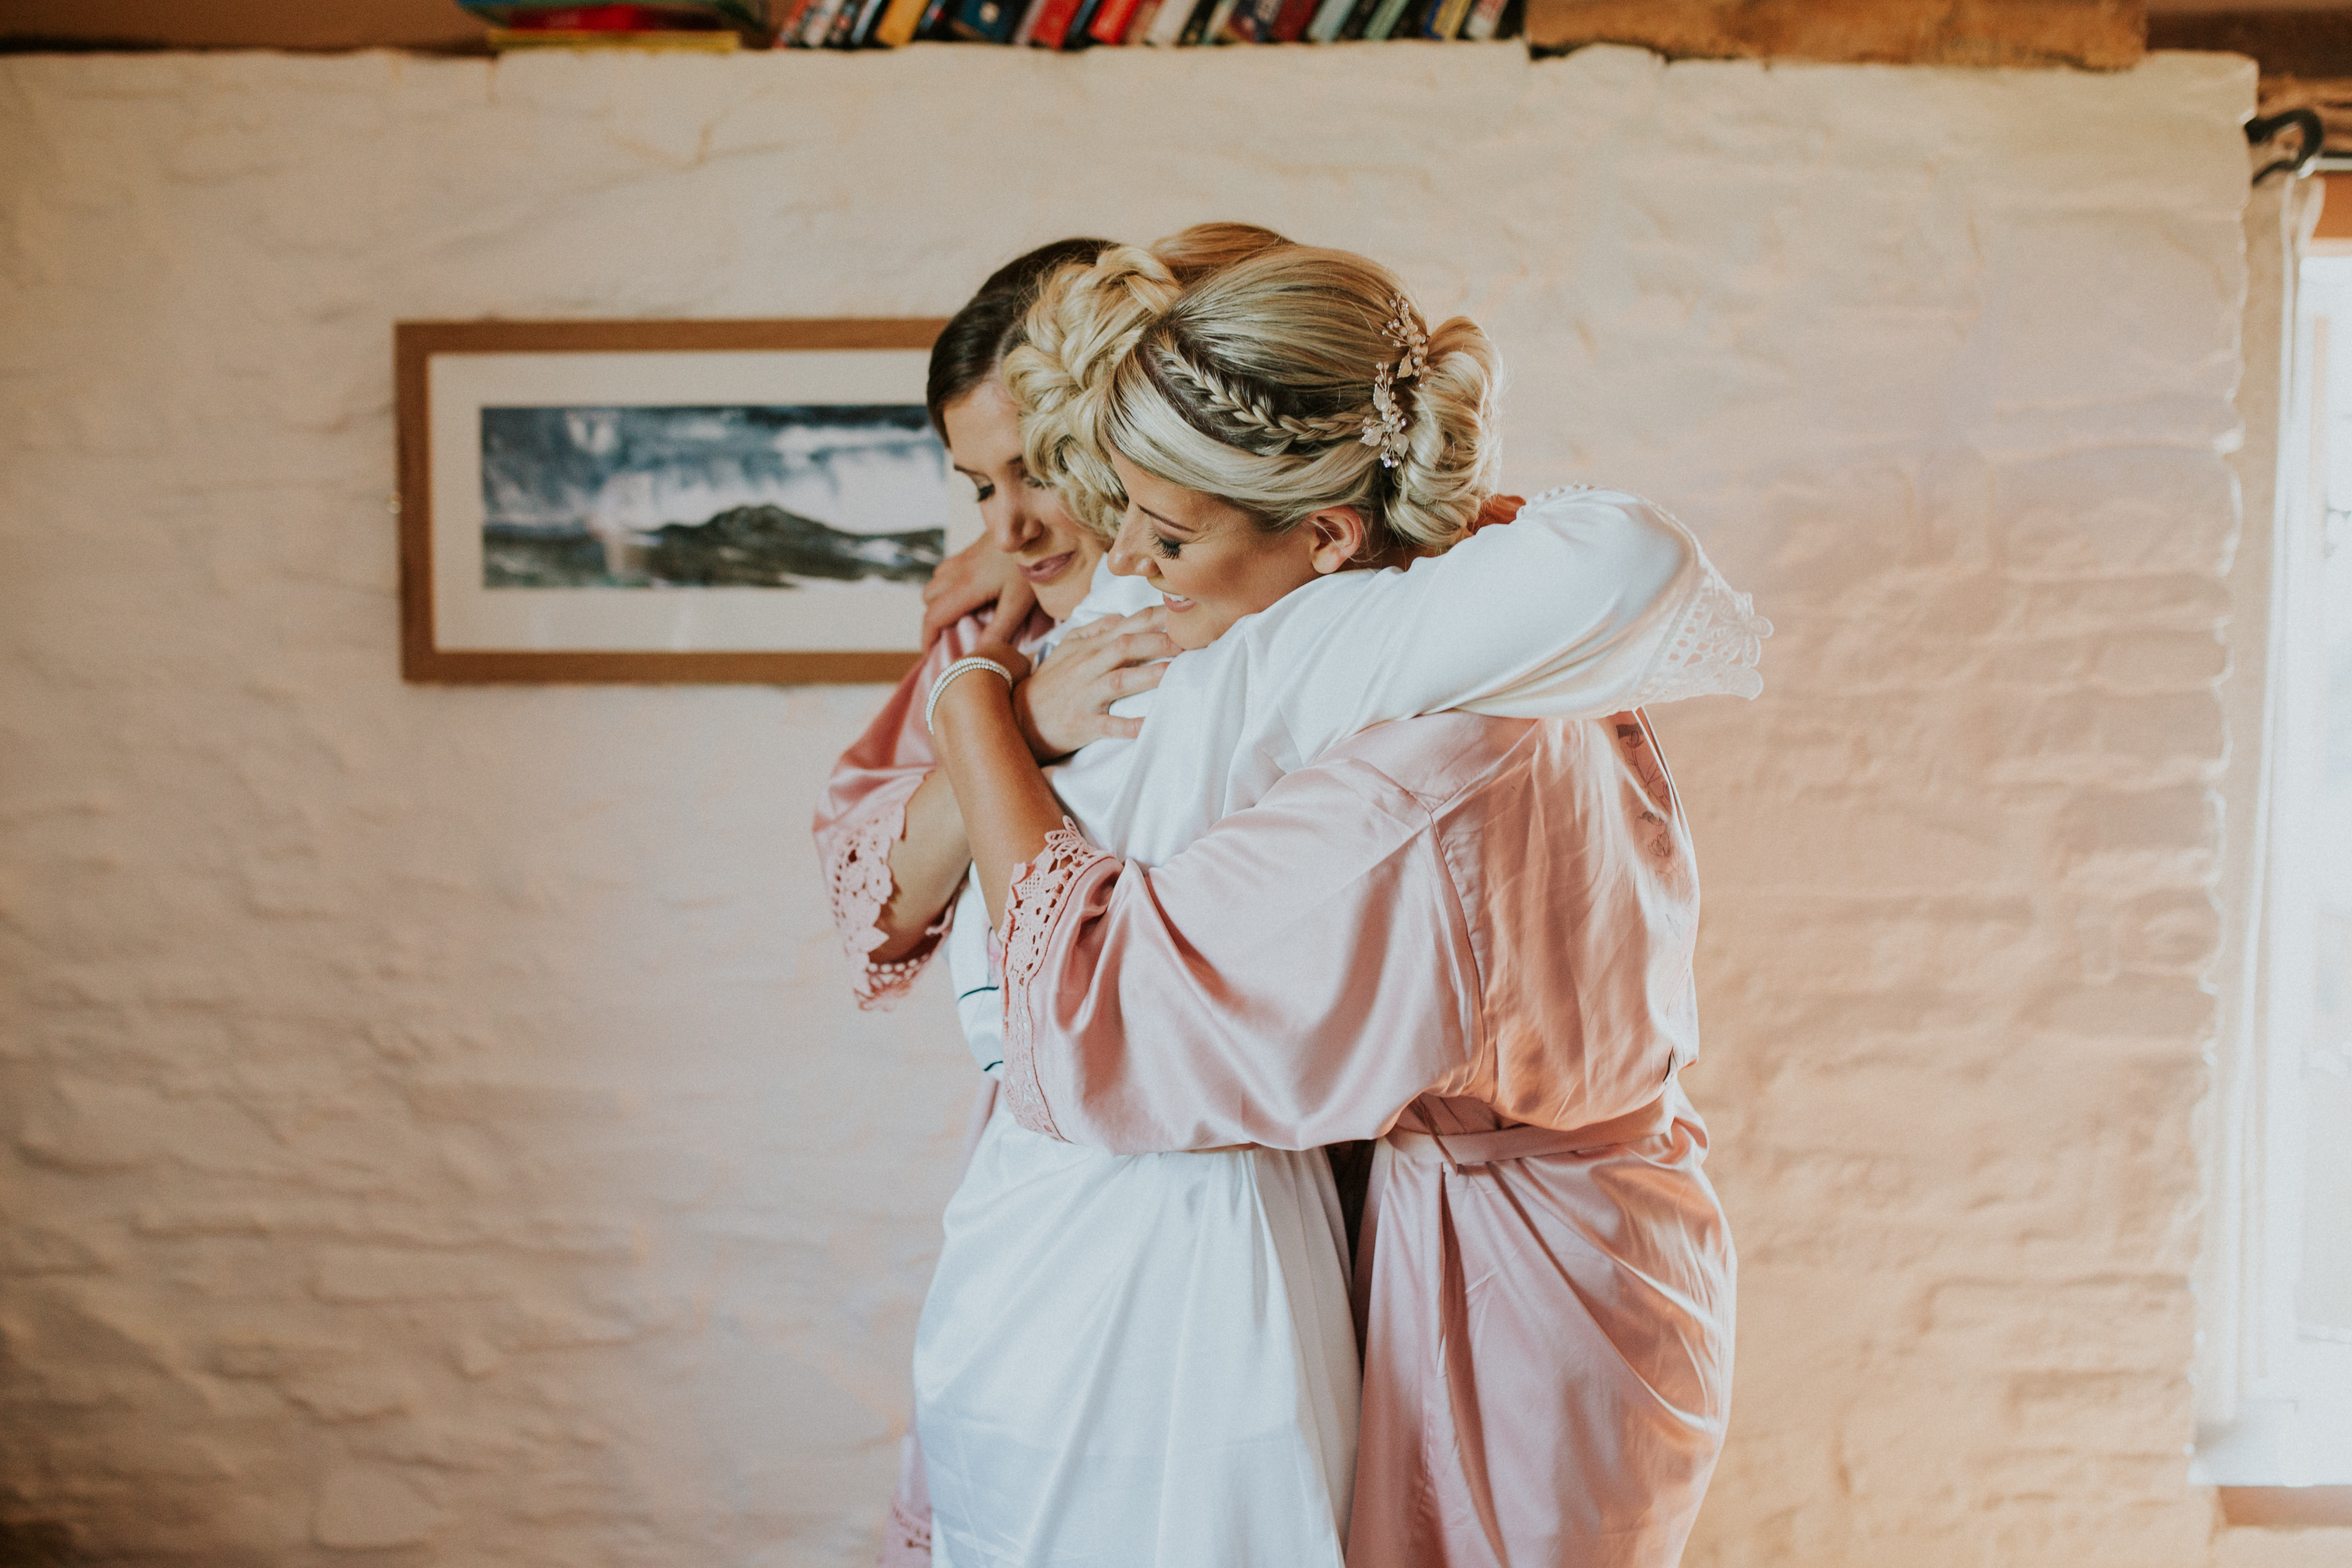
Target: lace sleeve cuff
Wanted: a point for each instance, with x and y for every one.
(1711, 645)
(857, 876)
(1041, 890)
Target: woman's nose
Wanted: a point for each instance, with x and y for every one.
(1127, 558)
(1009, 525)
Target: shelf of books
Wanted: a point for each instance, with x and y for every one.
(731, 25)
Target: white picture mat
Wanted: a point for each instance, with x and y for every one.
(824, 618)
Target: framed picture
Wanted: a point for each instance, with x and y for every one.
(668, 501)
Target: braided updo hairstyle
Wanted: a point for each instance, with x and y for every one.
(1256, 384)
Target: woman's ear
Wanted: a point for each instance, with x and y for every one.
(1339, 537)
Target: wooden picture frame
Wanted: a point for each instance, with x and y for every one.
(440, 641)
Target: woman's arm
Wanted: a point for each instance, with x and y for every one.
(927, 866)
(887, 828)
(889, 836)
(1297, 977)
(1567, 611)
(1000, 792)
(1586, 604)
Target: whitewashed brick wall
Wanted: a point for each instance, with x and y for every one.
(435, 1123)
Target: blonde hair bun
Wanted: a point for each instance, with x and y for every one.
(1256, 383)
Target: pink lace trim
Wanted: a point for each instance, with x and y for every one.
(859, 881)
(1033, 907)
(905, 1539)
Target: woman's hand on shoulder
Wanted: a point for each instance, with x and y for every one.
(977, 575)
(1067, 703)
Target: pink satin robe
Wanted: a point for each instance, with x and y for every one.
(861, 814)
(1450, 926)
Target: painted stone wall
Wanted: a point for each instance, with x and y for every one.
(433, 1123)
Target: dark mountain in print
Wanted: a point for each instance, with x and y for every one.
(768, 547)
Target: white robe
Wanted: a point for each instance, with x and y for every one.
(1148, 1360)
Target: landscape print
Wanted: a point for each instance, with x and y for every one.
(796, 497)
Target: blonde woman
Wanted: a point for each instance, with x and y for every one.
(1468, 935)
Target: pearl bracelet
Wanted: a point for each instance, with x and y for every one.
(962, 667)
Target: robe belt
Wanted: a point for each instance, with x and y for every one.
(1466, 1151)
(1463, 1150)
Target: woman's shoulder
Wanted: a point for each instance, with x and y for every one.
(1617, 521)
(1587, 495)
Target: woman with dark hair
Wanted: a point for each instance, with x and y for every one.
(887, 828)
(893, 847)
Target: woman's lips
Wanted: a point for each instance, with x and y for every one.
(1174, 602)
(1044, 571)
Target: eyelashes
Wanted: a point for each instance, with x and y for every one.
(982, 490)
(1169, 548)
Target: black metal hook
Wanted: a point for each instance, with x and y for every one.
(2267, 129)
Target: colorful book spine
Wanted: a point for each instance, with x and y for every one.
(819, 24)
(1446, 19)
(1047, 22)
(899, 21)
(1239, 23)
(1053, 22)
(1384, 20)
(985, 21)
(1484, 18)
(1112, 23)
(1330, 17)
(1290, 21)
(816, 25)
(749, 17)
(1168, 27)
(1249, 22)
(1208, 23)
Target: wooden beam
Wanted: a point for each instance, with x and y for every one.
(241, 24)
(2336, 209)
(2104, 35)
(2286, 1507)
(2286, 43)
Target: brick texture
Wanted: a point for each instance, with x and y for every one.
(432, 1124)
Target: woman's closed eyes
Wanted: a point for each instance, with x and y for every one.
(984, 490)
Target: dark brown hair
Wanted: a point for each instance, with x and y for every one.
(975, 340)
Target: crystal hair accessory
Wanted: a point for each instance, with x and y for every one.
(1384, 426)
